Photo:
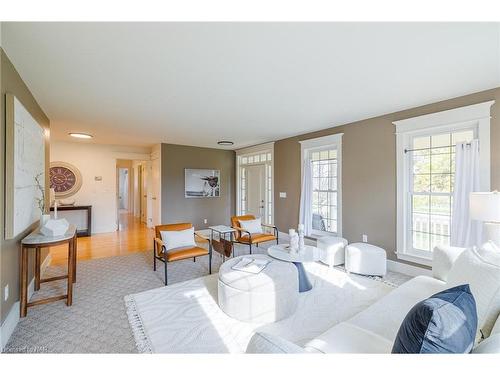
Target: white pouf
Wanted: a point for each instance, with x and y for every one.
(266, 297)
(365, 259)
(332, 250)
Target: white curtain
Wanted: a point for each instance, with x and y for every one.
(464, 231)
(305, 215)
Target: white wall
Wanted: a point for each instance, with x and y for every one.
(97, 160)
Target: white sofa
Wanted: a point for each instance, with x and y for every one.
(374, 329)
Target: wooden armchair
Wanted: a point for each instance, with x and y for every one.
(245, 237)
(160, 253)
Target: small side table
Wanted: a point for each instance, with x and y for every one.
(223, 231)
(36, 240)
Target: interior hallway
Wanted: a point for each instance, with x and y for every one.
(132, 237)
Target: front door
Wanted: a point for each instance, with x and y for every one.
(256, 190)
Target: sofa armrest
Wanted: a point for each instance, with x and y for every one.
(443, 258)
(264, 343)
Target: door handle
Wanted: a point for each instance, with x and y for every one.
(154, 198)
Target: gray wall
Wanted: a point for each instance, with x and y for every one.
(368, 171)
(177, 208)
(12, 83)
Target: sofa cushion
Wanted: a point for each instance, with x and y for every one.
(265, 343)
(348, 338)
(444, 323)
(484, 281)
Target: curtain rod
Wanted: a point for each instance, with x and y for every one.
(430, 148)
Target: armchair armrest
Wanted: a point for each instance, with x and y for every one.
(242, 230)
(201, 237)
(269, 226)
(443, 258)
(159, 244)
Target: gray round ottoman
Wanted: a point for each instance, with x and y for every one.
(266, 297)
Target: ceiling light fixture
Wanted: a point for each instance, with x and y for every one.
(81, 135)
(225, 143)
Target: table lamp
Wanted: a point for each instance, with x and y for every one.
(485, 207)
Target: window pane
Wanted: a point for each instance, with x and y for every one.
(269, 156)
(421, 204)
(315, 155)
(441, 163)
(440, 205)
(463, 136)
(323, 155)
(315, 183)
(441, 183)
(421, 241)
(333, 154)
(421, 142)
(439, 241)
(323, 183)
(421, 162)
(421, 183)
(441, 140)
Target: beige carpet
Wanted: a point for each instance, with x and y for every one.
(97, 322)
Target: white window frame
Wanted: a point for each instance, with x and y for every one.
(320, 144)
(252, 151)
(476, 117)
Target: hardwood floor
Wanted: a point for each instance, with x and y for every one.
(132, 237)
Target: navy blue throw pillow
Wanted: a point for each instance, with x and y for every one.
(443, 323)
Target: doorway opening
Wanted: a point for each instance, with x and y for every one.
(255, 185)
(131, 194)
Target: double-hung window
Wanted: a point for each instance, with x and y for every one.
(324, 157)
(426, 175)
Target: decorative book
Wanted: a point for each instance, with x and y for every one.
(251, 265)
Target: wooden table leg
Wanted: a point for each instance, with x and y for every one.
(75, 251)
(24, 281)
(37, 268)
(71, 255)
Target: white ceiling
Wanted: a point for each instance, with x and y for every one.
(196, 83)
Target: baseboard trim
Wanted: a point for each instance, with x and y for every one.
(407, 269)
(10, 323)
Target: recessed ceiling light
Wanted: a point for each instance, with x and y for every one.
(80, 135)
(225, 143)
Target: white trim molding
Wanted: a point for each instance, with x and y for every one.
(476, 117)
(254, 149)
(251, 151)
(319, 143)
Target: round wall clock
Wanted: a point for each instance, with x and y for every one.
(65, 179)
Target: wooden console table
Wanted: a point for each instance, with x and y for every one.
(83, 232)
(36, 240)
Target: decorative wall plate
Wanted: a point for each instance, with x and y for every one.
(65, 178)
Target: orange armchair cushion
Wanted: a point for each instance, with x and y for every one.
(257, 238)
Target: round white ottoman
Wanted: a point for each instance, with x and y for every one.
(332, 250)
(266, 297)
(365, 259)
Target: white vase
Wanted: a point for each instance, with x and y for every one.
(44, 219)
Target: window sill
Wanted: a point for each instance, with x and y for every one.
(425, 261)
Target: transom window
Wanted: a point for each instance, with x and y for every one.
(432, 163)
(324, 192)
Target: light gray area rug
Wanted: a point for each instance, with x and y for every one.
(186, 318)
(97, 322)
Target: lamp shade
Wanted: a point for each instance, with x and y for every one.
(485, 206)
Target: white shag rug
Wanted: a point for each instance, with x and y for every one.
(185, 317)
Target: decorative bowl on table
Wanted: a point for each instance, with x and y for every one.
(55, 227)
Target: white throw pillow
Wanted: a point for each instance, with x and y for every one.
(490, 252)
(253, 226)
(443, 258)
(174, 239)
(484, 281)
